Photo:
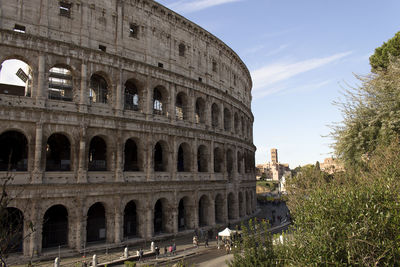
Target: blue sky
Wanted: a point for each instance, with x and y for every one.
(301, 55)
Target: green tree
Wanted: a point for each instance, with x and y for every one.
(382, 56)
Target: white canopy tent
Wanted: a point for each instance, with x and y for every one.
(225, 233)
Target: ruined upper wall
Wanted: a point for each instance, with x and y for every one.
(142, 30)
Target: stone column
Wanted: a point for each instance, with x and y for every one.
(40, 90)
(110, 224)
(234, 165)
(119, 225)
(37, 176)
(149, 97)
(173, 157)
(225, 210)
(119, 94)
(83, 98)
(148, 151)
(194, 168)
(80, 238)
(82, 167)
(119, 157)
(221, 117)
(174, 218)
(172, 98)
(211, 210)
(211, 160)
(149, 223)
(207, 111)
(142, 221)
(35, 244)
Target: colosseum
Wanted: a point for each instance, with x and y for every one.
(129, 123)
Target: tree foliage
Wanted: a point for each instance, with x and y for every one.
(380, 59)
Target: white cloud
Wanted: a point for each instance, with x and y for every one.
(271, 74)
(196, 5)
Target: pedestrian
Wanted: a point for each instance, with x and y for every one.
(194, 240)
(170, 250)
(227, 248)
(174, 248)
(206, 242)
(157, 248)
(140, 254)
(152, 246)
(165, 250)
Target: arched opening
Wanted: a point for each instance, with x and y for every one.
(227, 120)
(159, 100)
(239, 162)
(248, 206)
(219, 209)
(243, 125)
(160, 158)
(231, 206)
(58, 153)
(236, 123)
(15, 78)
(13, 152)
(218, 160)
(131, 96)
(60, 84)
(204, 207)
(183, 161)
(214, 115)
(96, 223)
(55, 227)
(241, 205)
(183, 214)
(181, 106)
(200, 108)
(229, 164)
(182, 49)
(248, 162)
(97, 154)
(160, 220)
(98, 92)
(130, 220)
(131, 156)
(13, 229)
(202, 159)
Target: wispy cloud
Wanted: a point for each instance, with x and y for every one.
(273, 73)
(185, 6)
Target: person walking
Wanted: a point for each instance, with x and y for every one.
(174, 249)
(140, 254)
(165, 251)
(157, 248)
(206, 242)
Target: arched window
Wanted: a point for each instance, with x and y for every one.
(13, 220)
(202, 159)
(183, 161)
(15, 78)
(236, 123)
(239, 162)
(97, 154)
(227, 120)
(13, 151)
(241, 205)
(200, 107)
(160, 217)
(184, 213)
(160, 158)
(60, 84)
(130, 220)
(98, 92)
(204, 209)
(96, 223)
(55, 227)
(229, 163)
(182, 49)
(214, 115)
(158, 101)
(181, 106)
(219, 209)
(131, 96)
(218, 159)
(131, 156)
(58, 153)
(231, 206)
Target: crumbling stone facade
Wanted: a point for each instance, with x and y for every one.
(135, 123)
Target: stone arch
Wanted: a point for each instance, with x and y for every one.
(96, 229)
(14, 151)
(131, 95)
(13, 219)
(239, 162)
(248, 203)
(58, 153)
(55, 227)
(227, 119)
(219, 209)
(60, 83)
(181, 106)
(99, 91)
(204, 210)
(184, 158)
(160, 219)
(214, 115)
(218, 160)
(160, 100)
(184, 214)
(202, 158)
(97, 154)
(236, 123)
(241, 205)
(131, 219)
(242, 123)
(160, 157)
(232, 209)
(200, 110)
(132, 159)
(229, 163)
(22, 84)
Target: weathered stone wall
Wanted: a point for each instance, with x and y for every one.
(73, 43)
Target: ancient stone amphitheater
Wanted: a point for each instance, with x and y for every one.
(132, 123)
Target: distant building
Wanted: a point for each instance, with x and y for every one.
(331, 165)
(272, 170)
